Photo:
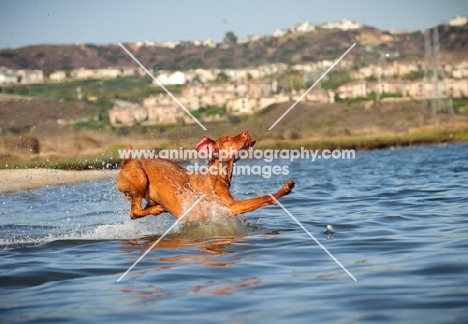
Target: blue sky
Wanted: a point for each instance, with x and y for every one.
(27, 22)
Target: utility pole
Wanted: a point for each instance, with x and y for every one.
(438, 98)
(379, 81)
(443, 101)
(427, 62)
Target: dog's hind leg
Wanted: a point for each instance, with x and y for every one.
(134, 184)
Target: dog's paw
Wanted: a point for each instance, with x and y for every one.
(288, 186)
(286, 189)
(156, 210)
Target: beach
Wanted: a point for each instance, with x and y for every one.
(23, 179)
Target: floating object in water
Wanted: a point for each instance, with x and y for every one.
(329, 230)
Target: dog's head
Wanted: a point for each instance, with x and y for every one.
(225, 148)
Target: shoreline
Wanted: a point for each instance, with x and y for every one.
(25, 174)
(13, 180)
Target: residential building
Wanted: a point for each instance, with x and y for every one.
(460, 70)
(345, 24)
(355, 89)
(281, 32)
(176, 77)
(249, 38)
(30, 76)
(58, 76)
(458, 20)
(320, 96)
(386, 86)
(305, 27)
(125, 113)
(163, 114)
(8, 76)
(457, 88)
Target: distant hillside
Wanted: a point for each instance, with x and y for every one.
(24, 113)
(321, 44)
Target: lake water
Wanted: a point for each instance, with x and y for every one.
(400, 221)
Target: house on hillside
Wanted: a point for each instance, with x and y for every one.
(8, 76)
(458, 20)
(303, 28)
(248, 105)
(107, 73)
(125, 113)
(205, 76)
(242, 106)
(413, 89)
(30, 76)
(457, 88)
(58, 76)
(386, 86)
(162, 109)
(163, 114)
(460, 70)
(156, 100)
(320, 96)
(345, 24)
(357, 89)
(177, 77)
(262, 88)
(281, 32)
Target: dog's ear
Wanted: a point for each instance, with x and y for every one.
(125, 160)
(206, 146)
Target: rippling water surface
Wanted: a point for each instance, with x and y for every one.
(401, 228)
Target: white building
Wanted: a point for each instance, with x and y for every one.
(8, 76)
(305, 27)
(460, 70)
(58, 76)
(280, 32)
(172, 78)
(345, 24)
(146, 43)
(249, 38)
(30, 76)
(168, 44)
(458, 20)
(206, 42)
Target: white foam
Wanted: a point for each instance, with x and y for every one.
(217, 224)
(126, 230)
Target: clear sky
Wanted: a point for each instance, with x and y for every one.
(27, 22)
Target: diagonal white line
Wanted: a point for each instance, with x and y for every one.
(315, 83)
(159, 239)
(313, 237)
(162, 86)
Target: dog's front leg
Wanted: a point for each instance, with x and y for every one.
(243, 206)
(137, 212)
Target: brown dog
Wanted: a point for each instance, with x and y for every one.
(166, 186)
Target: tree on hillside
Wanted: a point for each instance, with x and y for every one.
(230, 37)
(222, 77)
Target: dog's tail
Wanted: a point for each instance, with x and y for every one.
(128, 156)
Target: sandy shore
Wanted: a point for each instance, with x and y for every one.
(23, 179)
